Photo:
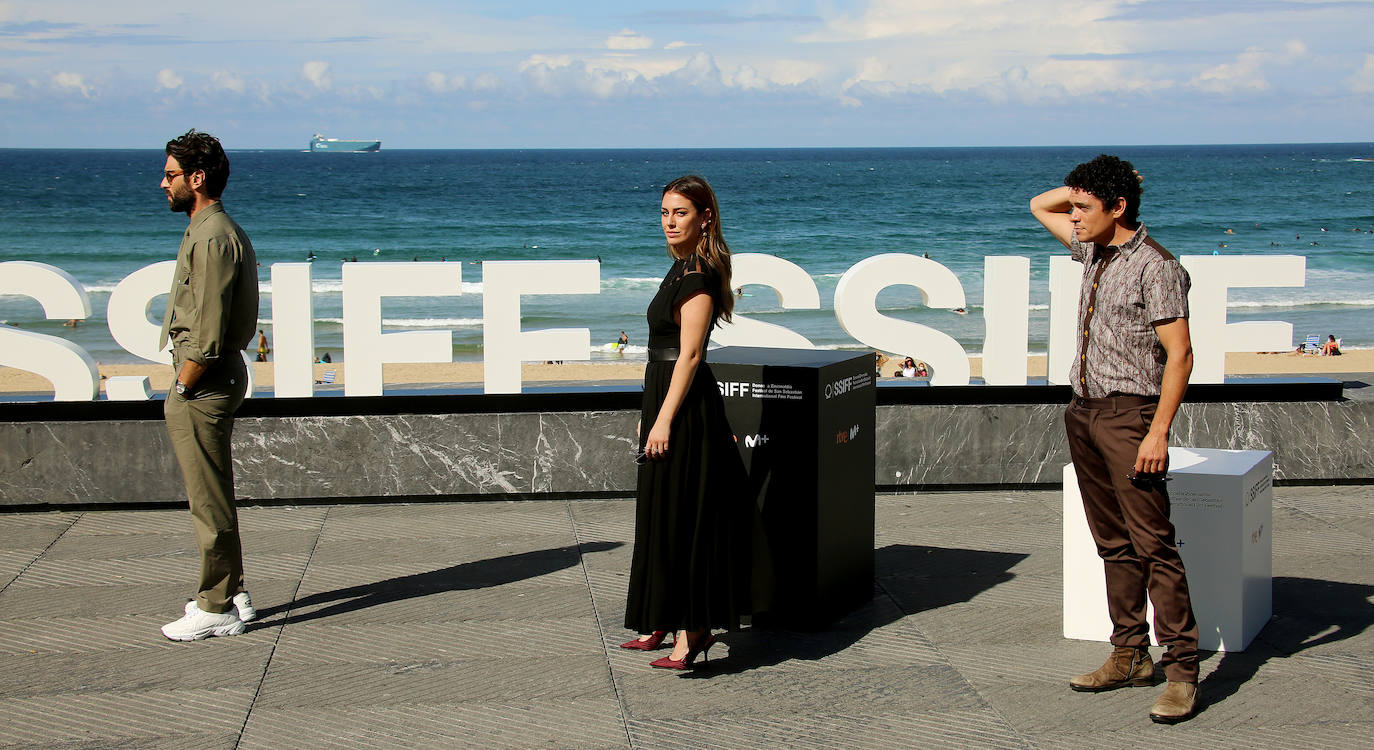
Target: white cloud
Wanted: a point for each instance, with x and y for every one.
(72, 81)
(548, 61)
(226, 81)
(792, 72)
(617, 76)
(883, 55)
(1362, 82)
(872, 70)
(318, 73)
(649, 68)
(486, 82)
(969, 20)
(700, 71)
(628, 39)
(897, 47)
(1243, 74)
(441, 83)
(1247, 73)
(747, 78)
(562, 75)
(168, 79)
(776, 74)
(1057, 80)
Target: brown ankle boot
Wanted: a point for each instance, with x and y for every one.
(1126, 667)
(1179, 702)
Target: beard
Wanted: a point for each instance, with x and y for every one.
(181, 201)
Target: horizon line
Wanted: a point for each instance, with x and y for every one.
(727, 148)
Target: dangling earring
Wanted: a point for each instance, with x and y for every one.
(703, 226)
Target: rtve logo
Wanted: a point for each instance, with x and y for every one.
(844, 436)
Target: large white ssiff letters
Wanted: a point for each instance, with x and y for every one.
(1006, 294)
(68, 367)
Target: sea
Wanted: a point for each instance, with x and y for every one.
(100, 215)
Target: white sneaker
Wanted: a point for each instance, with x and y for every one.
(197, 624)
(245, 607)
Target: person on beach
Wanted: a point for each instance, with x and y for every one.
(1134, 359)
(1331, 347)
(210, 319)
(263, 349)
(622, 342)
(694, 522)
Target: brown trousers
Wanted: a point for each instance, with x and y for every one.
(1130, 523)
(200, 428)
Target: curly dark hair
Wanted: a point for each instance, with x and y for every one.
(1108, 178)
(197, 151)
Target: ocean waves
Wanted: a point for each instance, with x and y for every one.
(822, 210)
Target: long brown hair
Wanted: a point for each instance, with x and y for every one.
(711, 248)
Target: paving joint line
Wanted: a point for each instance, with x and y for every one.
(1010, 727)
(286, 619)
(600, 625)
(44, 551)
(1314, 516)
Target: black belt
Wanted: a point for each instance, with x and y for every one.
(665, 354)
(1115, 402)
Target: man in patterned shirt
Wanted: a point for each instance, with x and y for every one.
(1132, 366)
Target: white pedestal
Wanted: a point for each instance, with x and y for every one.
(1221, 503)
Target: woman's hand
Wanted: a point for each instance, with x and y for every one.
(656, 446)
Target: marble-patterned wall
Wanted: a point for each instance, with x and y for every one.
(1311, 440)
(1024, 443)
(409, 455)
(434, 454)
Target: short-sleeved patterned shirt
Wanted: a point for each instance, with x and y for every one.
(1126, 290)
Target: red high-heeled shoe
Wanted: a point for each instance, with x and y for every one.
(685, 662)
(649, 645)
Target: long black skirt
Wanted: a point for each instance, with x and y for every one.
(695, 521)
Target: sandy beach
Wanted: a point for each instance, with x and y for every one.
(470, 373)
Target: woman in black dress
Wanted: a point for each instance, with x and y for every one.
(693, 519)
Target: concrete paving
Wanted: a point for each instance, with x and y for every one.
(495, 625)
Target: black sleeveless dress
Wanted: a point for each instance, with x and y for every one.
(694, 520)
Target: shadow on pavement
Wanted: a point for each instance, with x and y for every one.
(472, 575)
(1308, 612)
(910, 579)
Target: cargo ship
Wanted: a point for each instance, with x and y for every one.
(320, 143)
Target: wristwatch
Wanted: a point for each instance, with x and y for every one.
(181, 388)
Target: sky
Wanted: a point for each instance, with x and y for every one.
(654, 74)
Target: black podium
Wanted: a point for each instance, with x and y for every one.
(803, 421)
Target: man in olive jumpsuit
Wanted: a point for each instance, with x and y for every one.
(211, 317)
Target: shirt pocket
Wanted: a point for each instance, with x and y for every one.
(181, 286)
